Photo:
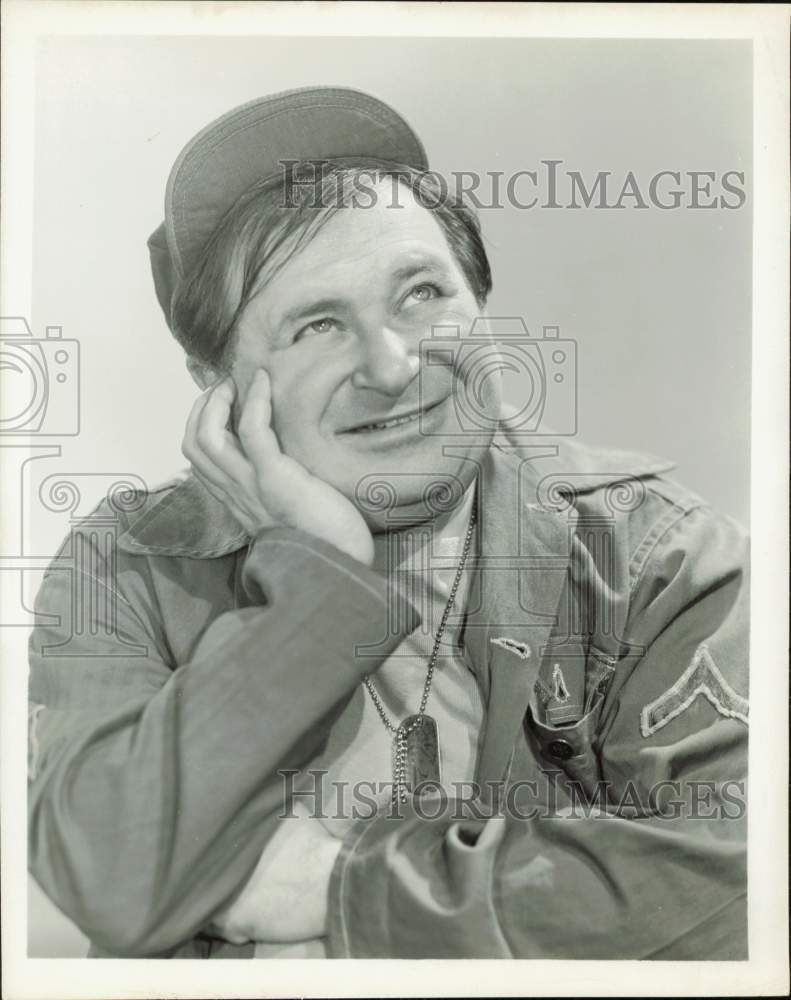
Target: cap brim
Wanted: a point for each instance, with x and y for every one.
(248, 144)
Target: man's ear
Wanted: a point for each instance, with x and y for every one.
(202, 374)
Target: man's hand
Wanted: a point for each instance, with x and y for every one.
(260, 485)
(285, 899)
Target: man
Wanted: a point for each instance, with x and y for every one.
(395, 683)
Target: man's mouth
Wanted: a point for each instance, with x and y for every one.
(403, 418)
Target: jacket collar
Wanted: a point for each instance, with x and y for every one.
(184, 519)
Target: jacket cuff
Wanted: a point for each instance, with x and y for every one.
(290, 568)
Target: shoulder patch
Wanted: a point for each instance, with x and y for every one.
(701, 677)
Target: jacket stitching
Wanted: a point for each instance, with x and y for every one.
(649, 544)
(160, 504)
(721, 695)
(521, 649)
(132, 542)
(228, 547)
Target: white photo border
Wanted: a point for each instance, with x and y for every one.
(766, 972)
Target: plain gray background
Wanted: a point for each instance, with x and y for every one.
(658, 302)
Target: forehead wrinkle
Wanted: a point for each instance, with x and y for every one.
(365, 234)
(379, 226)
(324, 303)
(343, 248)
(326, 294)
(412, 257)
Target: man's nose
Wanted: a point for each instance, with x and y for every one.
(385, 363)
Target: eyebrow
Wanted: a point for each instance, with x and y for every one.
(425, 265)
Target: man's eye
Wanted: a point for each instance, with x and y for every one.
(318, 326)
(422, 293)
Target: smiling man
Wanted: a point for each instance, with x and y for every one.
(405, 685)
(328, 334)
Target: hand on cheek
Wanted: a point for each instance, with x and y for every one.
(248, 472)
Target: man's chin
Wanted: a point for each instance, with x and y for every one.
(397, 489)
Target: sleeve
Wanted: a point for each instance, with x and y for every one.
(152, 784)
(659, 871)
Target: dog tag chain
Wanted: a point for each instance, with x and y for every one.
(416, 756)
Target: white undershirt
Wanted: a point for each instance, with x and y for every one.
(360, 746)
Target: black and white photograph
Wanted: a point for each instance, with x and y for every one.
(394, 442)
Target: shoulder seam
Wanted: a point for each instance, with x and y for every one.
(642, 555)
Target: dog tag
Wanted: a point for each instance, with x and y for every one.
(422, 752)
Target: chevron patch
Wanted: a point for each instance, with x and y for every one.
(701, 678)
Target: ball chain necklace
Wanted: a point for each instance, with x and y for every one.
(416, 739)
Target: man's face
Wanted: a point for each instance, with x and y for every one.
(339, 328)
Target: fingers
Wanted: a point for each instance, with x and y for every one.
(192, 421)
(189, 444)
(249, 474)
(218, 493)
(255, 424)
(208, 444)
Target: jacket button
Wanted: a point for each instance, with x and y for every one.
(561, 749)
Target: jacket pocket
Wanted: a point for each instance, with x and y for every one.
(570, 748)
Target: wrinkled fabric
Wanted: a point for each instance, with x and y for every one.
(607, 628)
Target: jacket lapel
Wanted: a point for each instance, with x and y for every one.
(523, 564)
